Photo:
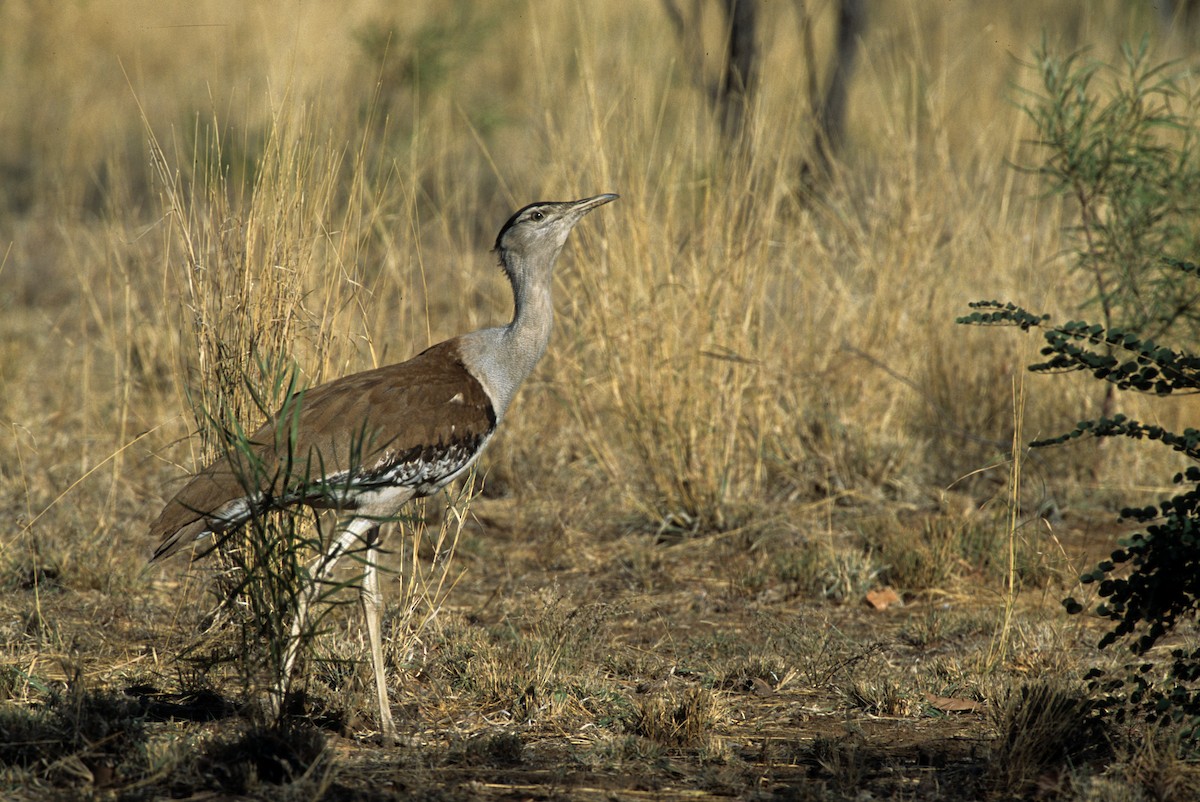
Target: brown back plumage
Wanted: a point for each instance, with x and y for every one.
(415, 424)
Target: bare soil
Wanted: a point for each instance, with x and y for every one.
(806, 698)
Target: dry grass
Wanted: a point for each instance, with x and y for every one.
(756, 407)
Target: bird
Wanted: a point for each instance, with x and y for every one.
(368, 443)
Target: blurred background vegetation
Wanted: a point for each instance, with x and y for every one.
(757, 339)
(744, 333)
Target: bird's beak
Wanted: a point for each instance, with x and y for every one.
(581, 207)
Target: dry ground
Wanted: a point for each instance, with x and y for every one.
(579, 664)
(755, 416)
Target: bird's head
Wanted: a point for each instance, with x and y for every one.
(538, 231)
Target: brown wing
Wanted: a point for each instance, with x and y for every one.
(413, 424)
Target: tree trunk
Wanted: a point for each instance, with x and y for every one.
(830, 132)
(740, 78)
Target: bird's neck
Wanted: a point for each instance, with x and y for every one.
(527, 336)
(503, 357)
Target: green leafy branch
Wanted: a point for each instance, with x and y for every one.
(1116, 356)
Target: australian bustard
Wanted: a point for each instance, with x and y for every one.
(373, 441)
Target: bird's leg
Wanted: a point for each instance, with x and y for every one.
(320, 570)
(372, 602)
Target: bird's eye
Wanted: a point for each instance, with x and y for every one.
(537, 217)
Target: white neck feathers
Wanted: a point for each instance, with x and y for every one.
(504, 356)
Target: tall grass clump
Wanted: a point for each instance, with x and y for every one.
(682, 320)
(241, 241)
(679, 350)
(734, 341)
(268, 250)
